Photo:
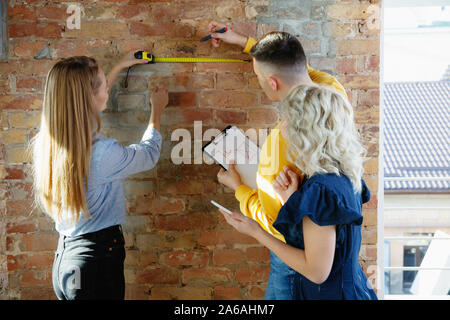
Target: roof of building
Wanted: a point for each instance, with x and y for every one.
(416, 136)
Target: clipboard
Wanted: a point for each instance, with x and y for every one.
(232, 144)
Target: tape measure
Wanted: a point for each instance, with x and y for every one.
(152, 59)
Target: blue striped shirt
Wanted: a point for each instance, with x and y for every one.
(110, 164)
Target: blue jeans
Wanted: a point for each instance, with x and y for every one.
(90, 266)
(281, 284)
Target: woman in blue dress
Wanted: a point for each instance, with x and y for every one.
(321, 216)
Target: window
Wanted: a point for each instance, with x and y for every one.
(3, 29)
(414, 241)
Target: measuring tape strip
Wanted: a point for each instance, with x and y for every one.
(152, 59)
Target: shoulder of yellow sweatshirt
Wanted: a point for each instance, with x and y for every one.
(262, 204)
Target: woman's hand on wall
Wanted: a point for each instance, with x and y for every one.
(159, 99)
(285, 184)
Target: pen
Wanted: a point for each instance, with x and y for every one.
(218, 31)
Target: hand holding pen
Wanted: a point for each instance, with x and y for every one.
(228, 36)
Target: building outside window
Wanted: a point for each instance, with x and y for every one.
(416, 152)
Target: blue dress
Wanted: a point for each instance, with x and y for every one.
(329, 199)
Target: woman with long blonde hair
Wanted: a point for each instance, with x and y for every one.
(321, 217)
(78, 176)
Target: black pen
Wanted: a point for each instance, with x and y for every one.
(225, 29)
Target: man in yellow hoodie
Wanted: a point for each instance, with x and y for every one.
(280, 64)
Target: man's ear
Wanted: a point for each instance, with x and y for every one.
(274, 83)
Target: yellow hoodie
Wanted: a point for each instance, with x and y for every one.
(262, 204)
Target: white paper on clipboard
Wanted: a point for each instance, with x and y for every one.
(232, 144)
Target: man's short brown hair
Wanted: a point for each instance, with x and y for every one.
(280, 49)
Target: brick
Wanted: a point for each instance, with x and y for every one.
(136, 292)
(137, 223)
(184, 258)
(230, 10)
(27, 48)
(135, 84)
(238, 67)
(231, 81)
(194, 221)
(189, 187)
(134, 188)
(169, 239)
(371, 166)
(357, 47)
(21, 13)
(157, 276)
(226, 293)
(346, 65)
(231, 117)
(98, 30)
(367, 115)
(373, 203)
(126, 45)
(167, 206)
(184, 82)
(257, 254)
(22, 119)
(20, 227)
(36, 278)
(263, 116)
(340, 30)
(40, 242)
(369, 235)
(26, 67)
(227, 256)
(349, 11)
(38, 293)
(212, 238)
(30, 84)
(133, 12)
(96, 13)
(4, 84)
(373, 64)
(30, 261)
(370, 216)
(52, 13)
(246, 275)
(256, 292)
(364, 82)
(64, 48)
(182, 99)
(42, 30)
(148, 258)
(372, 183)
(161, 29)
(25, 102)
(234, 98)
(208, 276)
(131, 102)
(13, 136)
(17, 154)
(18, 207)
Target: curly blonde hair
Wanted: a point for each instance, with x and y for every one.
(321, 133)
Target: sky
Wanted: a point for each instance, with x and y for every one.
(415, 47)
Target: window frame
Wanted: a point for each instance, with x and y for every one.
(4, 30)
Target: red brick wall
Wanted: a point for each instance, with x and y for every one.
(178, 246)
